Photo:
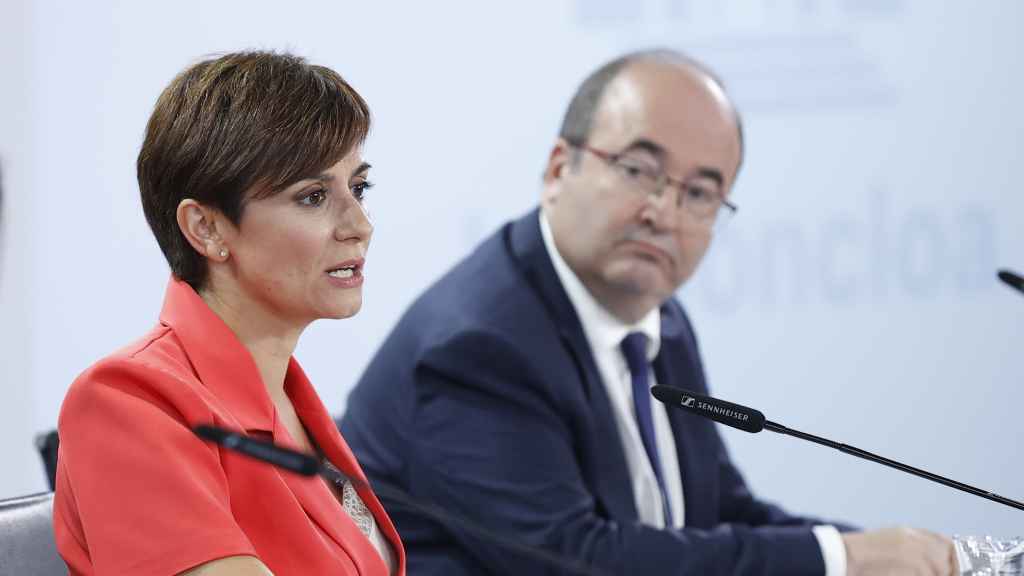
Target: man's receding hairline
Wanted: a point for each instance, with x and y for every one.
(669, 59)
(681, 63)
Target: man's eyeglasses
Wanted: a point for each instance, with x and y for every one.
(702, 196)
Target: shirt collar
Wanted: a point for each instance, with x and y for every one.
(221, 362)
(604, 331)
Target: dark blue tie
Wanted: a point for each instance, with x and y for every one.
(634, 348)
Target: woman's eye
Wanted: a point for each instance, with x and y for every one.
(314, 198)
(359, 190)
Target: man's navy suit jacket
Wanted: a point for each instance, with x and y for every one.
(485, 399)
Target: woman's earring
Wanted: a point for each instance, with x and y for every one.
(223, 253)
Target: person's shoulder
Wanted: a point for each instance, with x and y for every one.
(487, 289)
(676, 324)
(153, 369)
(486, 302)
(483, 270)
(501, 306)
(157, 353)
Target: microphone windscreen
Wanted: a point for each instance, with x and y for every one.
(734, 415)
(211, 433)
(1012, 279)
(269, 452)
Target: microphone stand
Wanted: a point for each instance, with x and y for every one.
(753, 421)
(853, 451)
(1014, 281)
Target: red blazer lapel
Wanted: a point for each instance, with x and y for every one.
(321, 426)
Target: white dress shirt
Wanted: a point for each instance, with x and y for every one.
(604, 333)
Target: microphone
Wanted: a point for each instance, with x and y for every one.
(308, 465)
(297, 462)
(1012, 279)
(753, 421)
(746, 419)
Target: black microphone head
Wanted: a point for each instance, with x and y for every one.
(734, 415)
(1012, 279)
(268, 452)
(212, 433)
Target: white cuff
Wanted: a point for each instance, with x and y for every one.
(832, 549)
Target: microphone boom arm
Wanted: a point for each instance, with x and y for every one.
(853, 451)
(753, 421)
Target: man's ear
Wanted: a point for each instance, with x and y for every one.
(205, 228)
(560, 162)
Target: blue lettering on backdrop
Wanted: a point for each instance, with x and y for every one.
(840, 237)
(977, 250)
(782, 264)
(795, 55)
(851, 258)
(921, 253)
(602, 11)
(721, 278)
(618, 12)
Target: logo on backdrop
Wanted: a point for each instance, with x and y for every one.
(774, 55)
(873, 253)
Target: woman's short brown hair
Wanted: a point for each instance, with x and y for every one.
(247, 121)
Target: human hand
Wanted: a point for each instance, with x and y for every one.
(902, 551)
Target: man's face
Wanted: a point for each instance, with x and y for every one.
(630, 248)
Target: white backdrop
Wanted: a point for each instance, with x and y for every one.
(853, 296)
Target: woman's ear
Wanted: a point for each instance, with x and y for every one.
(205, 229)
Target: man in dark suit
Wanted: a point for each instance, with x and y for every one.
(515, 391)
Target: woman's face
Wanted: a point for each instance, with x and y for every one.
(298, 255)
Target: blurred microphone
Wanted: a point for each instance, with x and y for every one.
(297, 462)
(307, 465)
(750, 420)
(1012, 279)
(746, 419)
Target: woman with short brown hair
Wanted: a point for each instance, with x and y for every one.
(253, 183)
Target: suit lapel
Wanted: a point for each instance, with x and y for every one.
(607, 470)
(678, 365)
